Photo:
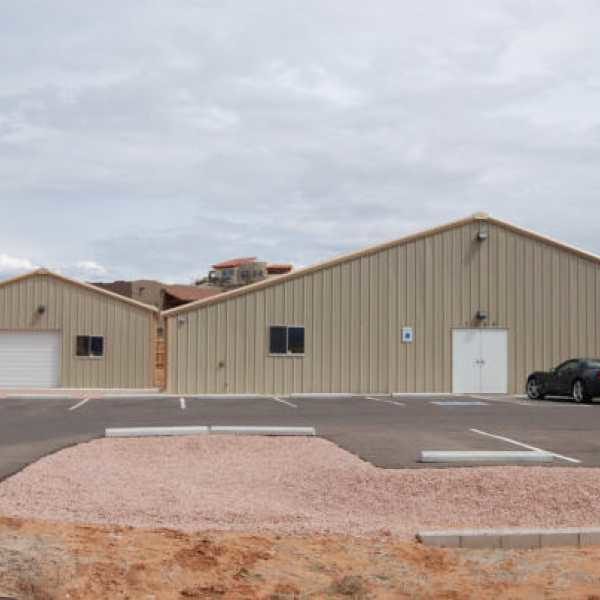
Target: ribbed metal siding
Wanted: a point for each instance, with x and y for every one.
(127, 330)
(353, 312)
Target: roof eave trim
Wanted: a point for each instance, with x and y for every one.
(81, 284)
(475, 218)
(317, 267)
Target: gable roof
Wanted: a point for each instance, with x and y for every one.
(475, 218)
(81, 284)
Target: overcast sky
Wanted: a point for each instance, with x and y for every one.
(152, 138)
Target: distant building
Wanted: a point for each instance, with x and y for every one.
(224, 276)
(238, 272)
(278, 269)
(161, 295)
(178, 295)
(147, 291)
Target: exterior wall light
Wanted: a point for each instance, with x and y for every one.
(41, 309)
(482, 234)
(481, 315)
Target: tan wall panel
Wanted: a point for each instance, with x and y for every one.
(354, 311)
(128, 330)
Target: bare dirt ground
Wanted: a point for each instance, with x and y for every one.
(52, 561)
(278, 519)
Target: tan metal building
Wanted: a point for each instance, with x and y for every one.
(471, 306)
(58, 332)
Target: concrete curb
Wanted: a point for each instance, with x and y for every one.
(41, 397)
(460, 402)
(154, 396)
(245, 430)
(424, 395)
(115, 432)
(227, 396)
(325, 395)
(484, 456)
(154, 431)
(511, 538)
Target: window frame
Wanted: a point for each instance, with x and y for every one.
(286, 354)
(89, 345)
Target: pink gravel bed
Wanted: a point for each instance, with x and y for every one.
(287, 485)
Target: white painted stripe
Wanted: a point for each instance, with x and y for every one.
(459, 403)
(277, 399)
(80, 403)
(385, 400)
(154, 431)
(257, 430)
(516, 443)
(182, 403)
(447, 456)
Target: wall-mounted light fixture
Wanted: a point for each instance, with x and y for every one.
(482, 234)
(182, 320)
(41, 309)
(481, 315)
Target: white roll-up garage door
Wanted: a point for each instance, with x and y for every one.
(29, 359)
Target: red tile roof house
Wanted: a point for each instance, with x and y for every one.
(237, 272)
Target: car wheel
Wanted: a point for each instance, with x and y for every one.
(579, 393)
(533, 389)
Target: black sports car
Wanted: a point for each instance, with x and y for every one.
(578, 378)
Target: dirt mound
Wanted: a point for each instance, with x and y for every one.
(51, 561)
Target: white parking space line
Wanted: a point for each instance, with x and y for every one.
(385, 400)
(182, 403)
(75, 406)
(516, 443)
(459, 403)
(282, 401)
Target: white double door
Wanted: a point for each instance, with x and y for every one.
(479, 361)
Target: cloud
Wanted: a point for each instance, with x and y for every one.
(162, 141)
(90, 268)
(13, 265)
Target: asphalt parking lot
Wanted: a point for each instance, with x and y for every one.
(389, 432)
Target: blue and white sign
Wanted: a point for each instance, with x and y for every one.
(407, 335)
